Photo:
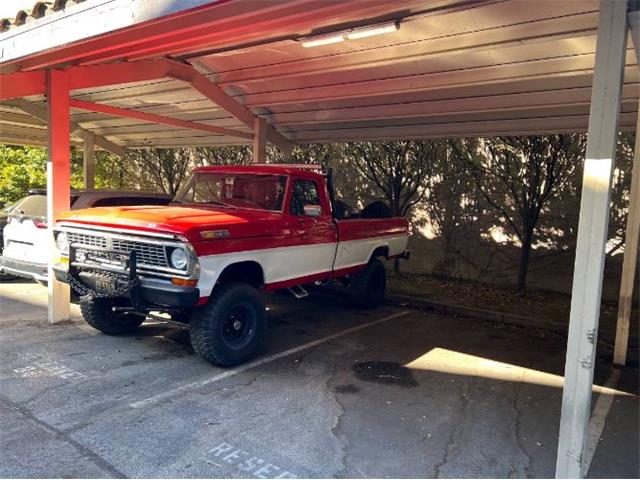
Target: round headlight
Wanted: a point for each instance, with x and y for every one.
(179, 259)
(62, 243)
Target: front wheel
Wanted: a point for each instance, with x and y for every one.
(100, 314)
(230, 329)
(367, 286)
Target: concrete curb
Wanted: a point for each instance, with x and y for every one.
(607, 337)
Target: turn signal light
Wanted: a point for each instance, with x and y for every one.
(185, 282)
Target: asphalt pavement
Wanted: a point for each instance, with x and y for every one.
(336, 392)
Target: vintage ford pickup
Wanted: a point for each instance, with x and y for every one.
(230, 233)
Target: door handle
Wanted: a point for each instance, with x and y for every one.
(307, 222)
(304, 225)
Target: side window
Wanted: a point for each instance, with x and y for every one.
(305, 192)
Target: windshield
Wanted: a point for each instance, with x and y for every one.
(237, 190)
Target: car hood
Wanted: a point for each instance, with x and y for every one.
(189, 221)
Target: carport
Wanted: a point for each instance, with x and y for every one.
(118, 74)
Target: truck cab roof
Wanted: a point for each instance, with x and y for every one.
(267, 169)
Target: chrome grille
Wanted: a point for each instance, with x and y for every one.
(88, 240)
(146, 254)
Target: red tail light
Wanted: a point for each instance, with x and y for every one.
(40, 224)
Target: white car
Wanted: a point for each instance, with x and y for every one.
(26, 251)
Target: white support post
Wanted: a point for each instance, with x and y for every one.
(259, 140)
(634, 27)
(592, 237)
(58, 182)
(630, 260)
(89, 160)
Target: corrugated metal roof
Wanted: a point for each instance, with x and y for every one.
(454, 68)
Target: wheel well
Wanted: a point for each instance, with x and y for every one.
(380, 252)
(247, 272)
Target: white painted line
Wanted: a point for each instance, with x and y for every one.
(248, 366)
(596, 423)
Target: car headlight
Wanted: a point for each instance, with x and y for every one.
(179, 259)
(62, 242)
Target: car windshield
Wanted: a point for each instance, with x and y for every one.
(237, 190)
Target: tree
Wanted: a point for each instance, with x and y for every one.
(518, 176)
(398, 169)
(162, 169)
(24, 168)
(621, 192)
(222, 155)
(111, 172)
(451, 209)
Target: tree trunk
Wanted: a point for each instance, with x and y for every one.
(525, 254)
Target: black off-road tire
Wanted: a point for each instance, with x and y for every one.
(367, 287)
(229, 329)
(98, 312)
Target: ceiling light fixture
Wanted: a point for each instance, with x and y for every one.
(351, 34)
(374, 30)
(320, 40)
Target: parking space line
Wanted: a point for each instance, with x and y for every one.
(248, 366)
(596, 423)
(59, 435)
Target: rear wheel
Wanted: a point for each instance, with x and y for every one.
(367, 287)
(100, 314)
(230, 328)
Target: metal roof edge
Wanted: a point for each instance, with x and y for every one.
(85, 20)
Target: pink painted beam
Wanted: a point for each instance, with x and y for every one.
(22, 84)
(116, 73)
(150, 117)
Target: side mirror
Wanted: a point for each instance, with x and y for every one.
(312, 210)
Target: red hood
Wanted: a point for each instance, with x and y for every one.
(187, 221)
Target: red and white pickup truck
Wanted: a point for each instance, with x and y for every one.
(231, 232)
